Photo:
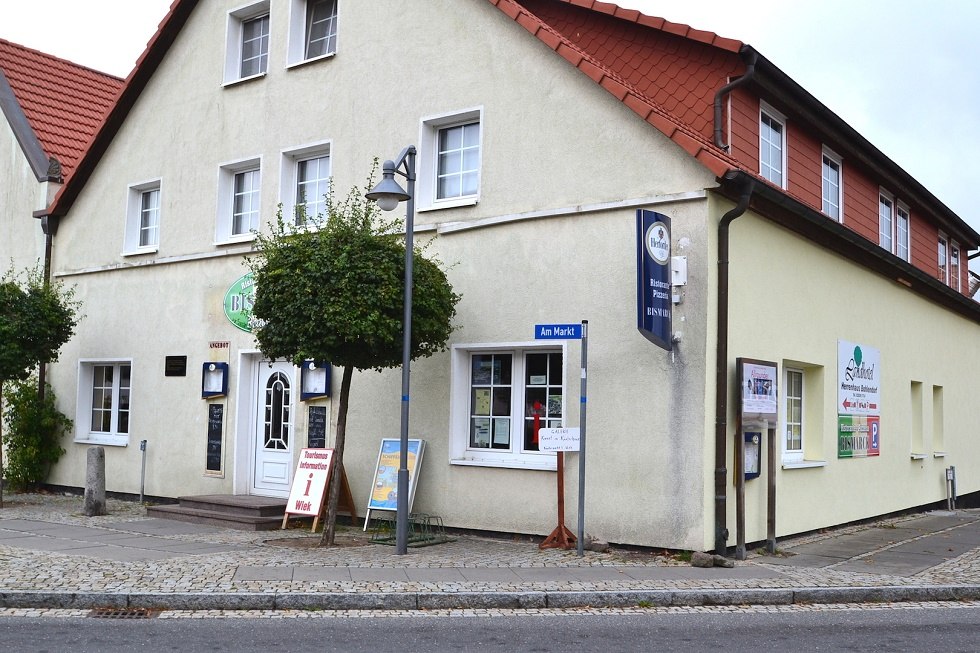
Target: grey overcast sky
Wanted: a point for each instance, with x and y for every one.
(904, 73)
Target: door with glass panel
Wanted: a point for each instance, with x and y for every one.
(273, 431)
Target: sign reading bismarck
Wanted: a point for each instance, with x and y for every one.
(653, 300)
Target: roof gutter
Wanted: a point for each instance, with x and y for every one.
(750, 56)
(721, 370)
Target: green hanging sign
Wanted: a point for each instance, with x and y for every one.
(238, 302)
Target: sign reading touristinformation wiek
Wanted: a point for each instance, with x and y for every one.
(858, 400)
(653, 301)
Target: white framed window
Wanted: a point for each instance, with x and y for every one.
(142, 218)
(772, 145)
(305, 181)
(954, 265)
(832, 189)
(943, 259)
(451, 159)
(902, 231)
(312, 30)
(793, 415)
(886, 210)
(239, 197)
(247, 42)
(499, 392)
(103, 402)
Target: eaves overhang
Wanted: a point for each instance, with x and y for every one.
(778, 89)
(776, 206)
(29, 143)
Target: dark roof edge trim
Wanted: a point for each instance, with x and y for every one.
(773, 204)
(26, 138)
(151, 58)
(782, 88)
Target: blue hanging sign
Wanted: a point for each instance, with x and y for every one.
(653, 301)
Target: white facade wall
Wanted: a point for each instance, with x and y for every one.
(21, 240)
(552, 239)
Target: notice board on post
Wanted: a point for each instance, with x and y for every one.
(384, 487)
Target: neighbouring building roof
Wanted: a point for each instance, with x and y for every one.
(54, 105)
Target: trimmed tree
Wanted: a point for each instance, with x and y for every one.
(36, 319)
(333, 290)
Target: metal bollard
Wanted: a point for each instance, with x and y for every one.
(142, 468)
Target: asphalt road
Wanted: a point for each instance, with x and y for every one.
(893, 628)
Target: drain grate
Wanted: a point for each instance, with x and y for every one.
(122, 613)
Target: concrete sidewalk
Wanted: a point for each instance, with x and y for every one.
(52, 556)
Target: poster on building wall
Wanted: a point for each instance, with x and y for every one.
(858, 400)
(653, 291)
(757, 388)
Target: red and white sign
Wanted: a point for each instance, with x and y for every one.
(310, 482)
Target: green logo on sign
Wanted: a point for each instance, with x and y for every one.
(238, 302)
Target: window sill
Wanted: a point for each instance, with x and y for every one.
(450, 204)
(236, 240)
(142, 251)
(917, 456)
(303, 62)
(938, 454)
(545, 463)
(805, 464)
(242, 80)
(106, 440)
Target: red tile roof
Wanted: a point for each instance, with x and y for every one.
(64, 103)
(667, 73)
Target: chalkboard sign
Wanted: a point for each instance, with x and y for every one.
(316, 431)
(216, 416)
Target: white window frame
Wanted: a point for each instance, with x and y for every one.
(234, 38)
(296, 50)
(954, 265)
(832, 198)
(289, 175)
(886, 223)
(429, 159)
(84, 407)
(134, 217)
(943, 258)
(766, 111)
(460, 453)
(903, 237)
(793, 455)
(226, 201)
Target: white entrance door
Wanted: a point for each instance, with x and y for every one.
(273, 433)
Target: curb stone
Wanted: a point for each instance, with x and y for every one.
(485, 600)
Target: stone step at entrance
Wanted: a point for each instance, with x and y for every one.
(241, 512)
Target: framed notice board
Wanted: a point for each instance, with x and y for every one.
(316, 427)
(214, 459)
(384, 488)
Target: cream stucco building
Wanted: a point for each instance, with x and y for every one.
(537, 147)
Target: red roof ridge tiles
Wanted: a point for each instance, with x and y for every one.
(64, 102)
(693, 142)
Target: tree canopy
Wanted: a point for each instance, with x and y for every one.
(333, 290)
(36, 319)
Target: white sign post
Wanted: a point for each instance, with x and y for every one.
(309, 484)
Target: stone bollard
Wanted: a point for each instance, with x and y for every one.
(95, 482)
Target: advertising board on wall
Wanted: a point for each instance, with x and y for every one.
(653, 291)
(858, 400)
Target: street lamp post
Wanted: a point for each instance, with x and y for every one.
(388, 194)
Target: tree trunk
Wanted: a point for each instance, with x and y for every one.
(337, 477)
